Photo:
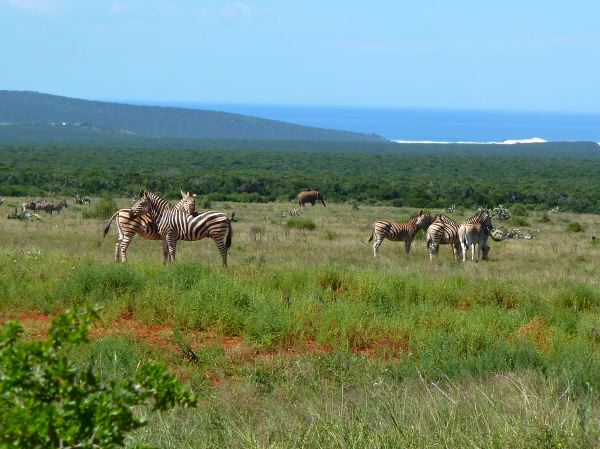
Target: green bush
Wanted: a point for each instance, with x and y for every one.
(519, 221)
(302, 223)
(519, 210)
(47, 401)
(104, 208)
(574, 226)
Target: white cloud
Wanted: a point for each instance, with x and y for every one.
(118, 7)
(38, 6)
(237, 10)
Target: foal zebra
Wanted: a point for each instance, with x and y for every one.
(444, 230)
(128, 226)
(176, 225)
(397, 232)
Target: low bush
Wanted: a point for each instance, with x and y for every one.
(519, 210)
(574, 226)
(302, 223)
(104, 208)
(519, 221)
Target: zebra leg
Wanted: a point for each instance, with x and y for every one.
(407, 244)
(376, 244)
(465, 248)
(123, 250)
(222, 250)
(433, 249)
(165, 252)
(171, 246)
(455, 250)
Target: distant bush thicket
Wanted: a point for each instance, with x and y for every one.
(104, 208)
(383, 174)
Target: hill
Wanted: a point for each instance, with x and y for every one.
(59, 113)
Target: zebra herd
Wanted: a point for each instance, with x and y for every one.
(154, 218)
(441, 230)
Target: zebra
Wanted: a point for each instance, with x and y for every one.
(399, 231)
(476, 231)
(310, 197)
(128, 226)
(176, 225)
(443, 230)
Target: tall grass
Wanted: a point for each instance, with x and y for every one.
(334, 348)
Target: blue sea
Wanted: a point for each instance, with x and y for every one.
(426, 124)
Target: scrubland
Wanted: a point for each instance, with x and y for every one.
(306, 340)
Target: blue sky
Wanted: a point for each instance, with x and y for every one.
(511, 55)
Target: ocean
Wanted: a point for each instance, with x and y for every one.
(426, 124)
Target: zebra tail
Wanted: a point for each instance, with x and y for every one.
(107, 227)
(229, 235)
(371, 238)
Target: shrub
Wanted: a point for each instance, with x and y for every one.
(104, 208)
(574, 226)
(302, 223)
(545, 218)
(49, 402)
(519, 210)
(519, 221)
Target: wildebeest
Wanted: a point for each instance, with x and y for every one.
(56, 207)
(311, 197)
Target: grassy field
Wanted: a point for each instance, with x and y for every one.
(306, 340)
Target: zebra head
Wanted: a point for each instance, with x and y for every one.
(141, 205)
(486, 219)
(423, 220)
(189, 202)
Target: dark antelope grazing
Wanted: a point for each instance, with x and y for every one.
(310, 197)
(176, 225)
(143, 225)
(443, 231)
(55, 207)
(397, 232)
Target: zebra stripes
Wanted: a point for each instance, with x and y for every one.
(174, 225)
(399, 231)
(443, 233)
(128, 226)
(474, 233)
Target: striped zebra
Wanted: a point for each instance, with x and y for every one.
(397, 232)
(176, 225)
(128, 226)
(310, 197)
(443, 230)
(475, 232)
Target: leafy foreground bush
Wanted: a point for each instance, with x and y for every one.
(48, 402)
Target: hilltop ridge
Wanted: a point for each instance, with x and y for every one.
(40, 109)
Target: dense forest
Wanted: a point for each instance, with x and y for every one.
(544, 175)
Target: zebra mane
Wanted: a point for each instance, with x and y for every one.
(158, 201)
(414, 219)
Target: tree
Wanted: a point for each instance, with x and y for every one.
(46, 401)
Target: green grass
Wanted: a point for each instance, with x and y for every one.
(307, 340)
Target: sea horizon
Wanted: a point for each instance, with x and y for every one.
(421, 125)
